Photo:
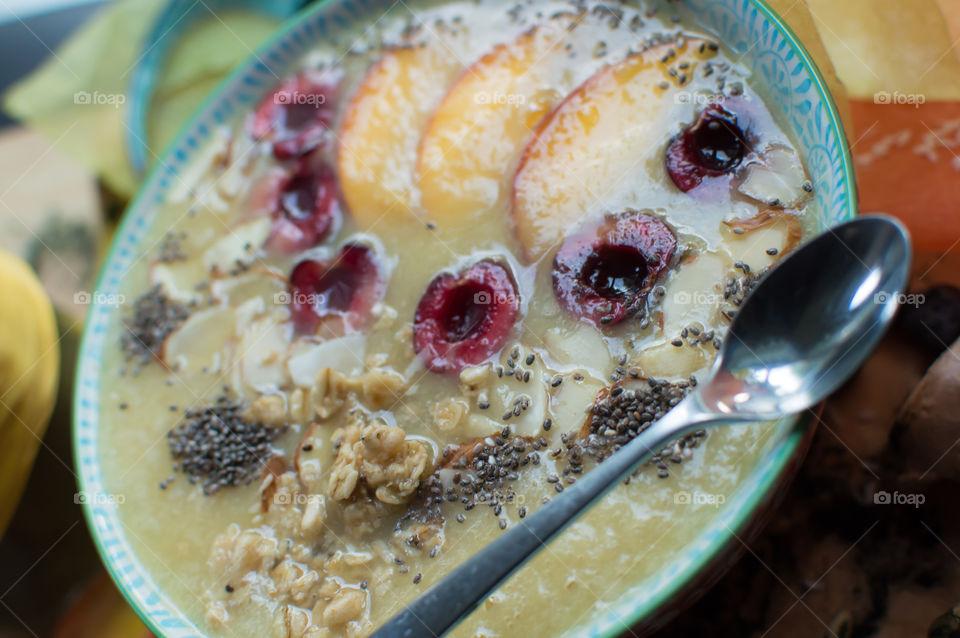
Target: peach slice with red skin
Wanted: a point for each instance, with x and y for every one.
(475, 136)
(601, 136)
(384, 121)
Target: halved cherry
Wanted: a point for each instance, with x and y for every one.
(336, 295)
(713, 146)
(604, 272)
(296, 113)
(465, 318)
(305, 207)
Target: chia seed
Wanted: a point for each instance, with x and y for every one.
(486, 467)
(155, 317)
(217, 446)
(737, 288)
(170, 247)
(616, 418)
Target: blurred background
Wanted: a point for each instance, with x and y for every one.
(92, 91)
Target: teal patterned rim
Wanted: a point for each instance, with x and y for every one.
(748, 27)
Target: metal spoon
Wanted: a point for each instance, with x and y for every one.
(805, 329)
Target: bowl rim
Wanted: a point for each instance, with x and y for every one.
(764, 479)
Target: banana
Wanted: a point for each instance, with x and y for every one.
(29, 371)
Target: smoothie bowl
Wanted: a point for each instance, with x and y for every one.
(416, 268)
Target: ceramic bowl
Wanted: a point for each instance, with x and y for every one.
(791, 84)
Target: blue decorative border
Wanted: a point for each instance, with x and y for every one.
(748, 27)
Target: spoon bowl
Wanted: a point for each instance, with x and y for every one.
(806, 327)
(822, 311)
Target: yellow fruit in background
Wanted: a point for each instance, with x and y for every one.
(29, 367)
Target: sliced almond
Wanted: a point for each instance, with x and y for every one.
(307, 358)
(201, 342)
(777, 180)
(238, 248)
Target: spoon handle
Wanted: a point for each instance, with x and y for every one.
(453, 597)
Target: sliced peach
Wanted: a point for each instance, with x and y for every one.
(600, 140)
(383, 124)
(476, 135)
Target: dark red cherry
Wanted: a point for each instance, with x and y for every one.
(335, 296)
(296, 114)
(465, 318)
(713, 146)
(604, 272)
(305, 208)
